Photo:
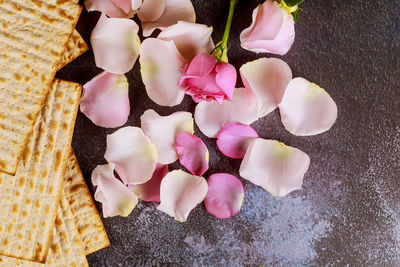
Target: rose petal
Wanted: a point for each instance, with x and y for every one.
(276, 167)
(175, 10)
(190, 38)
(115, 44)
(210, 117)
(307, 109)
(112, 8)
(161, 66)
(226, 78)
(151, 10)
(233, 139)
(225, 195)
(162, 131)
(193, 153)
(114, 196)
(150, 191)
(136, 4)
(180, 193)
(133, 154)
(105, 100)
(272, 30)
(268, 78)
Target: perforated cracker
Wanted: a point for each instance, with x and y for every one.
(33, 36)
(29, 200)
(76, 46)
(88, 221)
(66, 248)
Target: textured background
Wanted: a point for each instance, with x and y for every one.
(348, 211)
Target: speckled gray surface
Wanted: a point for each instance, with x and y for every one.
(348, 212)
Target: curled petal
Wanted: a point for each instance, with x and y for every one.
(180, 193)
(112, 8)
(161, 65)
(276, 167)
(225, 195)
(150, 191)
(105, 100)
(133, 154)
(162, 131)
(115, 44)
(272, 30)
(114, 196)
(174, 11)
(234, 138)
(193, 153)
(307, 109)
(190, 38)
(151, 10)
(210, 117)
(268, 78)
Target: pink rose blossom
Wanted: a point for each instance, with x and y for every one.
(206, 79)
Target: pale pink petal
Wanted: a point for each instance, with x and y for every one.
(210, 117)
(276, 167)
(307, 109)
(133, 154)
(225, 195)
(190, 38)
(161, 66)
(136, 4)
(115, 44)
(175, 10)
(268, 78)
(150, 191)
(162, 131)
(233, 139)
(111, 8)
(151, 10)
(125, 5)
(272, 30)
(105, 100)
(114, 196)
(180, 193)
(193, 153)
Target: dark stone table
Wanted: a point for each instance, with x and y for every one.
(348, 212)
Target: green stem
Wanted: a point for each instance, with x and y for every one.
(228, 24)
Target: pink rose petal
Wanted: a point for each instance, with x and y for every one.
(276, 167)
(133, 154)
(272, 30)
(268, 79)
(226, 78)
(233, 139)
(225, 195)
(175, 10)
(190, 38)
(151, 10)
(210, 117)
(162, 131)
(112, 8)
(307, 109)
(180, 193)
(161, 66)
(114, 196)
(193, 153)
(150, 191)
(115, 44)
(105, 100)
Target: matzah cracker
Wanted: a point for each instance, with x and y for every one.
(29, 200)
(88, 221)
(33, 36)
(66, 248)
(76, 46)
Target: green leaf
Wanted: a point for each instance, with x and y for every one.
(291, 3)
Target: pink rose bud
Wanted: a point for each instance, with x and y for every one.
(206, 79)
(272, 30)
